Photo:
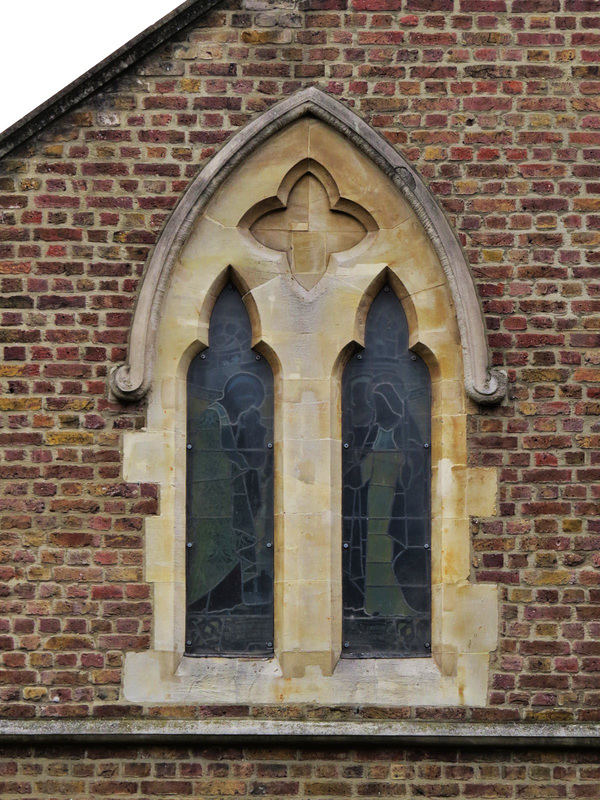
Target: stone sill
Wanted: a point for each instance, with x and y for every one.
(383, 733)
(158, 677)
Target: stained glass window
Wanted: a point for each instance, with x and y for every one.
(386, 464)
(229, 491)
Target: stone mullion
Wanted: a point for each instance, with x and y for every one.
(306, 580)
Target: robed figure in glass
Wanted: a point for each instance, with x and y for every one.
(230, 490)
(386, 430)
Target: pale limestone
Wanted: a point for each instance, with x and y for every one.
(261, 175)
(456, 550)
(357, 176)
(407, 251)
(306, 337)
(417, 733)
(472, 617)
(309, 228)
(365, 681)
(472, 672)
(148, 457)
(482, 490)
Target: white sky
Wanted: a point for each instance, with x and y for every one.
(46, 44)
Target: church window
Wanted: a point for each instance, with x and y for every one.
(386, 506)
(229, 490)
(314, 216)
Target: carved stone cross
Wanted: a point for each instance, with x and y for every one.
(309, 230)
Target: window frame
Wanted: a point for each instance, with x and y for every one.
(464, 614)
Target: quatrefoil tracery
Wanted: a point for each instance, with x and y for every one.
(309, 221)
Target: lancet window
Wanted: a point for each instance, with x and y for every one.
(229, 490)
(386, 504)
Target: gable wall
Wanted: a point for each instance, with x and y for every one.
(495, 103)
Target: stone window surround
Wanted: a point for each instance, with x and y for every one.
(483, 383)
(464, 615)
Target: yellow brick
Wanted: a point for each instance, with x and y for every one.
(11, 370)
(566, 55)
(54, 150)
(493, 255)
(190, 85)
(559, 577)
(467, 187)
(586, 238)
(69, 437)
(434, 154)
(586, 203)
(529, 409)
(540, 120)
(538, 55)
(27, 184)
(34, 692)
(20, 403)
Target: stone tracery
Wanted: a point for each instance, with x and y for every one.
(310, 225)
(483, 383)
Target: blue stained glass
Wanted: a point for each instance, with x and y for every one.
(386, 505)
(229, 491)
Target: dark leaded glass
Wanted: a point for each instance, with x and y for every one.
(386, 430)
(230, 491)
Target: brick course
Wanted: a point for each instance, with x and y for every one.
(211, 771)
(497, 105)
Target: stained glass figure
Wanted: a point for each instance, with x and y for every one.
(229, 491)
(386, 464)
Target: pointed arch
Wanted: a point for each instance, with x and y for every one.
(483, 383)
(386, 491)
(307, 337)
(229, 577)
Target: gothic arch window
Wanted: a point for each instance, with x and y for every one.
(229, 498)
(386, 503)
(311, 212)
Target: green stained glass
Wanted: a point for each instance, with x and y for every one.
(386, 506)
(229, 491)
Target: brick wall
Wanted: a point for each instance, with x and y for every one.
(496, 103)
(160, 771)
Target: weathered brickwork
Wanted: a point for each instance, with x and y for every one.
(496, 103)
(159, 771)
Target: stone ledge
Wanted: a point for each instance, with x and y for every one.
(518, 734)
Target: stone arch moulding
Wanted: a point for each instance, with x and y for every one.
(305, 322)
(483, 383)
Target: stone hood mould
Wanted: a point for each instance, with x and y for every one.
(483, 383)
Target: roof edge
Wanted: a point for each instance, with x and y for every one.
(97, 77)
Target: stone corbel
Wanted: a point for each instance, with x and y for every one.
(483, 383)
